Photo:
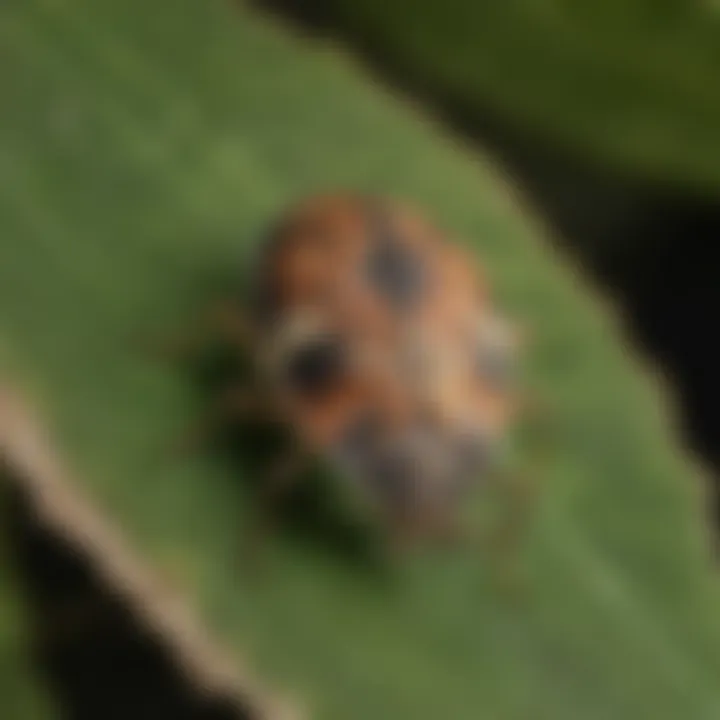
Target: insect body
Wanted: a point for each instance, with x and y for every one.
(377, 341)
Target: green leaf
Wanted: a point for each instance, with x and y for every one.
(144, 147)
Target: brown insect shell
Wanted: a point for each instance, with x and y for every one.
(425, 299)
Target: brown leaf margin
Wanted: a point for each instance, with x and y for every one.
(27, 450)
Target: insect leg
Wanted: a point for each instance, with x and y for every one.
(283, 474)
(403, 538)
(541, 418)
(451, 531)
(280, 478)
(520, 488)
(224, 321)
(505, 541)
(236, 402)
(408, 529)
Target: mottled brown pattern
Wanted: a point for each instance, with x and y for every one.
(412, 349)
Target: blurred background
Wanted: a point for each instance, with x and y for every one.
(605, 117)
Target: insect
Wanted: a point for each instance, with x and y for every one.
(377, 341)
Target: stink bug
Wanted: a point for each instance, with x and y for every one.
(375, 339)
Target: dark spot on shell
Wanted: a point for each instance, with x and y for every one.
(365, 452)
(396, 472)
(317, 365)
(394, 270)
